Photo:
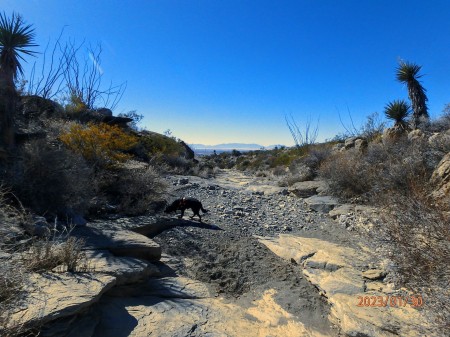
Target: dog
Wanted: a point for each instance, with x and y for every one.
(183, 204)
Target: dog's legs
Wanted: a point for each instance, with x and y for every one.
(182, 213)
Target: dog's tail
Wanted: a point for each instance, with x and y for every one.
(204, 210)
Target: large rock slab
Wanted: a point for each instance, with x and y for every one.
(306, 189)
(126, 270)
(322, 204)
(172, 316)
(340, 273)
(53, 296)
(119, 242)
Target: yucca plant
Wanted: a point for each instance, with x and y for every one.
(398, 111)
(408, 73)
(15, 39)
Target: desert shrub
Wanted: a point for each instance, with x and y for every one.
(100, 144)
(50, 178)
(316, 155)
(132, 191)
(384, 167)
(415, 235)
(75, 106)
(347, 174)
(152, 143)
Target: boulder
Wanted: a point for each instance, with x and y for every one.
(344, 209)
(393, 134)
(440, 178)
(350, 142)
(361, 145)
(189, 153)
(440, 141)
(305, 189)
(416, 134)
(337, 147)
(321, 204)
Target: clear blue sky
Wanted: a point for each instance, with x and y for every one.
(216, 71)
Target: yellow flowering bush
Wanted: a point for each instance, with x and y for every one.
(100, 144)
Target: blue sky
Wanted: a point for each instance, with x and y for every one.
(217, 71)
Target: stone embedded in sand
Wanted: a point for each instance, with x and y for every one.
(305, 189)
(321, 204)
(345, 209)
(374, 274)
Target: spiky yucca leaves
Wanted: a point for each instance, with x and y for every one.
(398, 110)
(15, 39)
(408, 73)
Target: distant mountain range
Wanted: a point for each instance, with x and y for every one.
(232, 146)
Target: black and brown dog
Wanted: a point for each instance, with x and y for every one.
(183, 204)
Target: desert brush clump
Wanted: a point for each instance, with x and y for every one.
(415, 235)
(100, 144)
(48, 178)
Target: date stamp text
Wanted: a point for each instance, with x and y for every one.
(415, 301)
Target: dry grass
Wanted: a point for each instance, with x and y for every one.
(63, 252)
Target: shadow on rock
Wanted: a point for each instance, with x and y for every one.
(152, 230)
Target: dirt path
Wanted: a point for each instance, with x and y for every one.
(226, 255)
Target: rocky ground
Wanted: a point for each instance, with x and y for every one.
(264, 262)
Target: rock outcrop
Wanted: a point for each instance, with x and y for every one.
(441, 178)
(342, 275)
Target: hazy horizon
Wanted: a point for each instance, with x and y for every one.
(221, 72)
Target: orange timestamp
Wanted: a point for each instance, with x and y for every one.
(415, 301)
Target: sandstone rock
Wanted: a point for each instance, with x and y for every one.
(361, 145)
(119, 242)
(337, 147)
(441, 178)
(306, 189)
(416, 134)
(350, 142)
(52, 296)
(342, 284)
(440, 141)
(126, 270)
(374, 274)
(344, 209)
(392, 135)
(148, 315)
(322, 204)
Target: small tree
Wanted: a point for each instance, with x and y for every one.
(408, 73)
(15, 38)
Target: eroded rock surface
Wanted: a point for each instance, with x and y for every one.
(341, 274)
